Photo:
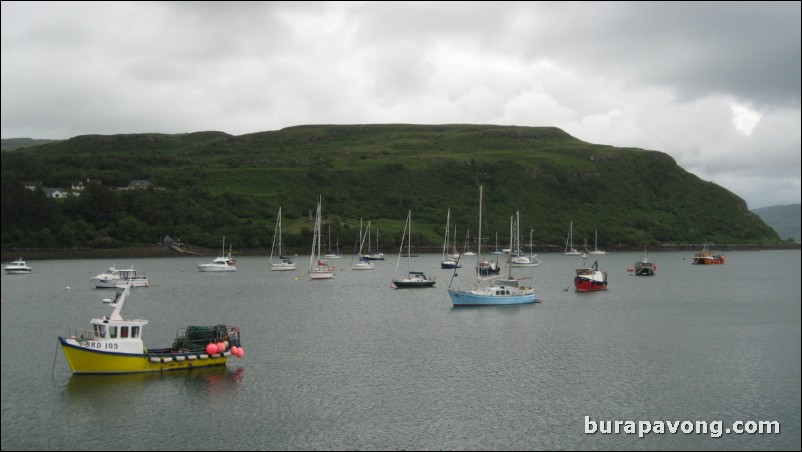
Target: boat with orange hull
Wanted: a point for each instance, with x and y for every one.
(707, 257)
(590, 279)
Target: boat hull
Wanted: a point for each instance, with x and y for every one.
(463, 298)
(282, 267)
(207, 268)
(589, 285)
(709, 260)
(103, 283)
(91, 361)
(320, 274)
(402, 284)
(644, 271)
(17, 271)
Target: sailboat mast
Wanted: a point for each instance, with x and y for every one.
(319, 225)
(409, 242)
(479, 248)
(512, 240)
(279, 233)
(401, 248)
(445, 238)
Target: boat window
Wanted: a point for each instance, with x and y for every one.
(134, 331)
(123, 331)
(113, 332)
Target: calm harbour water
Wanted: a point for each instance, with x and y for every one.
(351, 363)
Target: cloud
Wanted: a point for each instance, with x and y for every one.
(744, 118)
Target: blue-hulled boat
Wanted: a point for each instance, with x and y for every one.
(501, 291)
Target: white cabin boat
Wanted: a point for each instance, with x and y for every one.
(17, 267)
(114, 277)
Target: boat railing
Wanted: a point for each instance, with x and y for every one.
(82, 334)
(505, 282)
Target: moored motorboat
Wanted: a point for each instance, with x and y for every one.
(113, 345)
(114, 277)
(644, 267)
(590, 279)
(707, 257)
(488, 268)
(224, 263)
(219, 264)
(17, 267)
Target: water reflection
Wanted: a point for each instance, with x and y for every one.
(205, 379)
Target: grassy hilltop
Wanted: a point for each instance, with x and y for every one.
(210, 184)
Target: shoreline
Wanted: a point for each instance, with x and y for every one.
(203, 253)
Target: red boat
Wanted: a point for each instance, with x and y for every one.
(589, 279)
(707, 257)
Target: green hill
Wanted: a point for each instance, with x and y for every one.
(210, 184)
(783, 219)
(9, 144)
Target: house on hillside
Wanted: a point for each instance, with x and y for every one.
(56, 193)
(32, 185)
(139, 184)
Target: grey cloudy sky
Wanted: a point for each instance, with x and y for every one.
(715, 85)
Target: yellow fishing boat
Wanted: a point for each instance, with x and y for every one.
(114, 345)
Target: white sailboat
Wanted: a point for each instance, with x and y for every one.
(336, 254)
(569, 243)
(518, 258)
(319, 268)
(279, 262)
(467, 248)
(497, 251)
(501, 291)
(596, 250)
(448, 260)
(364, 262)
(374, 255)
